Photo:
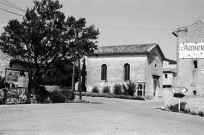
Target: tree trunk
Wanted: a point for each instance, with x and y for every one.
(79, 84)
(29, 91)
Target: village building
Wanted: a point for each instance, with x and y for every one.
(169, 72)
(190, 57)
(141, 64)
(12, 71)
(4, 63)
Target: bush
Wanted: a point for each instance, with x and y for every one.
(200, 113)
(106, 89)
(41, 94)
(95, 90)
(125, 89)
(69, 94)
(131, 88)
(117, 89)
(187, 111)
(58, 97)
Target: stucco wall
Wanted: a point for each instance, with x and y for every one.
(187, 76)
(154, 59)
(142, 69)
(169, 79)
(115, 69)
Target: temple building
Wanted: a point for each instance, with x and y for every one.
(140, 63)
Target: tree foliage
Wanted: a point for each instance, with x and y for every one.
(45, 37)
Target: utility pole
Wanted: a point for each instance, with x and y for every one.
(79, 84)
(73, 76)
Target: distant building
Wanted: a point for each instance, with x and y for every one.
(190, 57)
(12, 71)
(169, 72)
(16, 74)
(141, 64)
(4, 63)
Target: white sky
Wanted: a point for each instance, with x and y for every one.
(126, 21)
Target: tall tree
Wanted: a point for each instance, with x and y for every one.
(39, 40)
(82, 41)
(45, 37)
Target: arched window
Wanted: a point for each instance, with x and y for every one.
(126, 72)
(104, 72)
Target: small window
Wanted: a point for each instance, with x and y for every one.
(126, 72)
(194, 92)
(195, 64)
(104, 72)
(155, 67)
(166, 76)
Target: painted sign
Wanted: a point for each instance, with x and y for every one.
(179, 90)
(17, 77)
(191, 50)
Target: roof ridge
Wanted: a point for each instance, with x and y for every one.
(129, 45)
(195, 22)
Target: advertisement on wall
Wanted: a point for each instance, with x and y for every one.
(18, 78)
(191, 50)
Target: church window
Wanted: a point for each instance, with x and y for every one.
(126, 72)
(104, 72)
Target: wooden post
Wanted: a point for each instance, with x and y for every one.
(179, 105)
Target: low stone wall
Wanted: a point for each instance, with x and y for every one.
(191, 103)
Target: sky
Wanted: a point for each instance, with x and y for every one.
(123, 22)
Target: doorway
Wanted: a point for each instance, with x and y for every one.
(155, 85)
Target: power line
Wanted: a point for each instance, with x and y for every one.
(11, 12)
(11, 6)
(15, 6)
(125, 28)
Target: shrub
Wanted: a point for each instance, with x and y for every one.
(58, 97)
(131, 88)
(170, 107)
(95, 90)
(117, 89)
(187, 111)
(200, 113)
(69, 94)
(41, 94)
(125, 89)
(106, 89)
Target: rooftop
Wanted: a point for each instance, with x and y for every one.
(126, 49)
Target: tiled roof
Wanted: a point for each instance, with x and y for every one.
(165, 70)
(126, 49)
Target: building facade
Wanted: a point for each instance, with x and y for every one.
(141, 64)
(169, 72)
(4, 63)
(190, 57)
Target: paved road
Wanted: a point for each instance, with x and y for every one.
(103, 117)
